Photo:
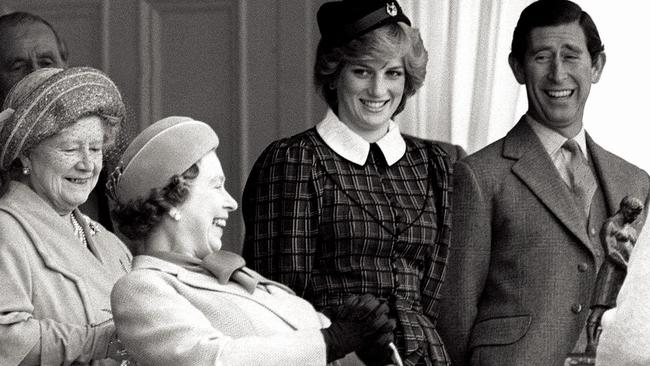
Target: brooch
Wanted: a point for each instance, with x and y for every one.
(391, 9)
(113, 180)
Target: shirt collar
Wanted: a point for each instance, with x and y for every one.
(553, 141)
(345, 142)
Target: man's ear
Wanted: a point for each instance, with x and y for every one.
(597, 67)
(517, 69)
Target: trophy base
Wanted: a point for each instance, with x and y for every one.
(579, 359)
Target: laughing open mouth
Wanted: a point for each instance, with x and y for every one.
(559, 93)
(219, 222)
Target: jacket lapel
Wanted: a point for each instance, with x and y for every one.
(610, 179)
(275, 304)
(535, 168)
(52, 238)
(617, 179)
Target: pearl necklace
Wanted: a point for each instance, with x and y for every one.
(78, 230)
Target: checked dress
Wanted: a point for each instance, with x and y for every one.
(330, 228)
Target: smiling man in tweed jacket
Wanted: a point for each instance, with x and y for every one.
(525, 252)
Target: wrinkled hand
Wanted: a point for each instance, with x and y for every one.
(359, 320)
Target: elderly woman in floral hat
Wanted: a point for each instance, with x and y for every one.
(57, 267)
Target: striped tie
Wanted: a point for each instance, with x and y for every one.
(579, 176)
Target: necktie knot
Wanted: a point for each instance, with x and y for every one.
(572, 147)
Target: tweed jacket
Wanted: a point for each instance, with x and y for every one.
(167, 315)
(522, 267)
(625, 340)
(55, 293)
(329, 228)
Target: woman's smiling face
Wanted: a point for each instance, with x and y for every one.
(368, 94)
(65, 167)
(206, 210)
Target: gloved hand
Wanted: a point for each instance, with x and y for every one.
(359, 318)
(377, 352)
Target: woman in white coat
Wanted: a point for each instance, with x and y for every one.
(57, 266)
(187, 302)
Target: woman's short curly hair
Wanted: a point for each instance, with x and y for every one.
(386, 42)
(138, 217)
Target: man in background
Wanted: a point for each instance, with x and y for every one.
(528, 208)
(27, 43)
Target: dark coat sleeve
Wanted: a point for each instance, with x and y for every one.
(468, 265)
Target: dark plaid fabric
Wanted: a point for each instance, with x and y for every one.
(329, 228)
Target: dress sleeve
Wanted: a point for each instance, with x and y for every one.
(25, 339)
(435, 267)
(159, 326)
(280, 208)
(469, 261)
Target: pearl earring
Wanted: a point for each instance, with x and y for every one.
(26, 171)
(175, 214)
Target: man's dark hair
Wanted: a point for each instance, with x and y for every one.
(19, 18)
(544, 13)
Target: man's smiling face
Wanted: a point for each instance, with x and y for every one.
(558, 72)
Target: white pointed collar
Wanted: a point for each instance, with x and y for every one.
(354, 148)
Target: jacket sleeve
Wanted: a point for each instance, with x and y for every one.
(159, 326)
(468, 265)
(280, 209)
(25, 339)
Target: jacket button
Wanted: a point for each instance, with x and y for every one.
(576, 308)
(582, 267)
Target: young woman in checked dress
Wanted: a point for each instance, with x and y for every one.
(352, 205)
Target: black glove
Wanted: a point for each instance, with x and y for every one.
(377, 352)
(360, 317)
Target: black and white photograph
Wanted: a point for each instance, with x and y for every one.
(324, 182)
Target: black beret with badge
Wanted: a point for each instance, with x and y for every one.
(342, 21)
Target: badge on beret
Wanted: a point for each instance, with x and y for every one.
(391, 9)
